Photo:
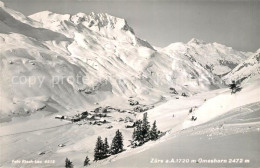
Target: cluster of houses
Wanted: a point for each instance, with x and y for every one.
(77, 117)
(143, 108)
(130, 121)
(97, 116)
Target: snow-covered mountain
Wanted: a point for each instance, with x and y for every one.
(246, 70)
(217, 58)
(65, 62)
(69, 65)
(103, 24)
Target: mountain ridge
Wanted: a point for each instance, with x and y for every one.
(110, 60)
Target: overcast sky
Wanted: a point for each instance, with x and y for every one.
(234, 23)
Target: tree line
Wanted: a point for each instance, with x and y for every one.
(102, 149)
(142, 133)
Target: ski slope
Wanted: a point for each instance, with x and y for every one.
(231, 134)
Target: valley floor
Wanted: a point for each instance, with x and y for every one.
(234, 134)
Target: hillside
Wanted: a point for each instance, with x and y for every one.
(216, 58)
(67, 79)
(227, 128)
(247, 70)
(105, 56)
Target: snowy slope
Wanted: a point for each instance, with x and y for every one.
(227, 127)
(73, 61)
(234, 138)
(15, 22)
(225, 102)
(18, 16)
(102, 24)
(68, 64)
(246, 70)
(228, 130)
(217, 58)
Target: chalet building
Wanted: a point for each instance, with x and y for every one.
(91, 117)
(59, 117)
(98, 110)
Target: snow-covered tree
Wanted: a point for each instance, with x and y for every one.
(86, 161)
(154, 133)
(117, 143)
(142, 133)
(68, 163)
(106, 147)
(99, 150)
(145, 128)
(137, 134)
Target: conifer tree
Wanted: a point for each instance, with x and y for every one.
(154, 134)
(106, 147)
(234, 86)
(68, 163)
(117, 143)
(86, 161)
(137, 134)
(145, 128)
(134, 135)
(99, 150)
